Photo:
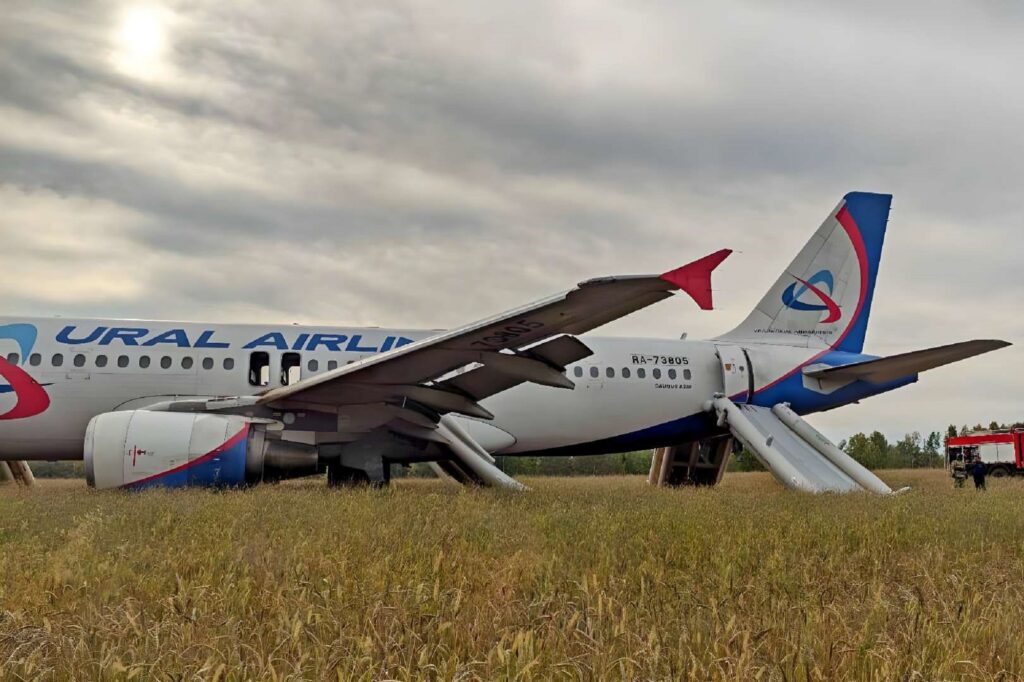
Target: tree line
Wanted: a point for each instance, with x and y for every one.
(874, 450)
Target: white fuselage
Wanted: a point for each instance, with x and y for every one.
(629, 393)
(88, 367)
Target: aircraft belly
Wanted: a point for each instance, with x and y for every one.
(540, 420)
(543, 418)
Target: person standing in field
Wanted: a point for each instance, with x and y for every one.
(959, 472)
(978, 470)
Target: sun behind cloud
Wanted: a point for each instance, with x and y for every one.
(141, 41)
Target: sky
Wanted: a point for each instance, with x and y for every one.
(417, 164)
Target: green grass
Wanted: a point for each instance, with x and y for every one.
(579, 579)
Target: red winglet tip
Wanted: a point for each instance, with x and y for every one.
(695, 278)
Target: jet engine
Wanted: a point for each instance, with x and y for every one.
(141, 448)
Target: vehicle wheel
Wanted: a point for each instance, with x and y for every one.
(999, 472)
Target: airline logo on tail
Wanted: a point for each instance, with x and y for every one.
(31, 399)
(793, 296)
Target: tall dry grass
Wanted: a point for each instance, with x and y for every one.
(580, 579)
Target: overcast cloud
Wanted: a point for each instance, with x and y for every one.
(426, 164)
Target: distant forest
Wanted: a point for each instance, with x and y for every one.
(874, 451)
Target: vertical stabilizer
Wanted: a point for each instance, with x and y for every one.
(823, 299)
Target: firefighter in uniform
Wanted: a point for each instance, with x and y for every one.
(979, 470)
(959, 472)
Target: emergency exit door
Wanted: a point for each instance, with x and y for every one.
(737, 376)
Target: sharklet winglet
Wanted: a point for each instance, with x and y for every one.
(695, 278)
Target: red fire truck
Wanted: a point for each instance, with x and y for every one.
(1002, 451)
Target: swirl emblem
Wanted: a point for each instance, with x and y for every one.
(791, 297)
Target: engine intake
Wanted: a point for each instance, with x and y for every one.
(139, 448)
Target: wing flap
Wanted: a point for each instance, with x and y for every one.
(487, 380)
(560, 352)
(434, 398)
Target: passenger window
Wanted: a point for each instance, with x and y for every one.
(594, 372)
(101, 360)
(35, 359)
(57, 360)
(610, 372)
(207, 363)
(314, 366)
(186, 362)
(332, 365)
(13, 358)
(671, 374)
(687, 374)
(656, 373)
(259, 368)
(144, 361)
(79, 360)
(291, 368)
(229, 363)
(165, 362)
(641, 373)
(578, 371)
(122, 361)
(625, 372)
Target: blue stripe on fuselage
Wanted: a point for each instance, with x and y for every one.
(703, 425)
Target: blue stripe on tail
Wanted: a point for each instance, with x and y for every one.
(870, 212)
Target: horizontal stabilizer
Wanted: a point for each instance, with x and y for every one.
(905, 364)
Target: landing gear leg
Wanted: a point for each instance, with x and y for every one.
(338, 476)
(694, 463)
(17, 471)
(352, 469)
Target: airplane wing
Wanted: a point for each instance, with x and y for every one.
(528, 343)
(904, 364)
(399, 404)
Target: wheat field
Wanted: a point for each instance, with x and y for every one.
(579, 579)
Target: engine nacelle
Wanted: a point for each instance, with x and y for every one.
(139, 448)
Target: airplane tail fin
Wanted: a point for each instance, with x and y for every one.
(823, 299)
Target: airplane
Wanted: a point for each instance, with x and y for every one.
(148, 403)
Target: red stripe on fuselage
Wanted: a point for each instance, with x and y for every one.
(32, 399)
